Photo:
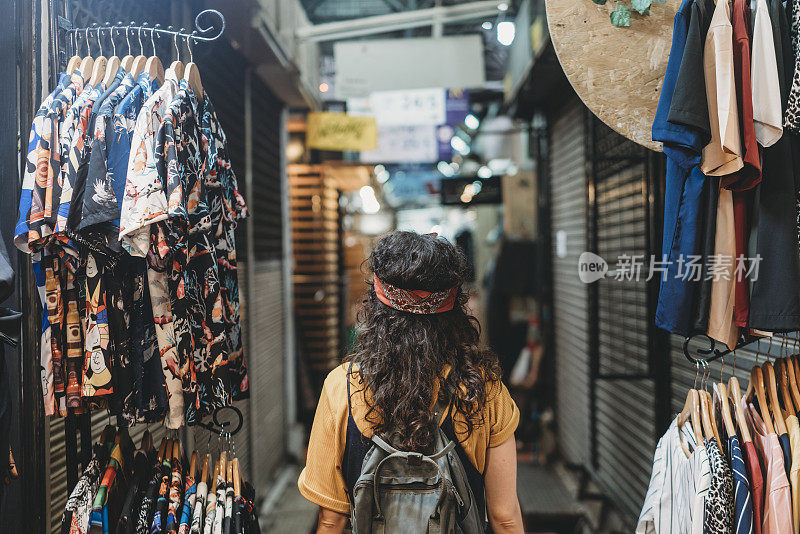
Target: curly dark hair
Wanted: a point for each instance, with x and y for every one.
(401, 355)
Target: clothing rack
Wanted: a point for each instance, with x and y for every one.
(200, 34)
(710, 354)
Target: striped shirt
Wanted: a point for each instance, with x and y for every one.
(743, 502)
(679, 484)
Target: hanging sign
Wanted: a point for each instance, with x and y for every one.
(412, 106)
(340, 131)
(617, 72)
(404, 144)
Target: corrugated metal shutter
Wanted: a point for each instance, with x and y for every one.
(568, 193)
(624, 391)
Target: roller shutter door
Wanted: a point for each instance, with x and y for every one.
(568, 193)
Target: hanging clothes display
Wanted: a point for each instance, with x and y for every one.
(731, 198)
(128, 209)
(750, 486)
(146, 490)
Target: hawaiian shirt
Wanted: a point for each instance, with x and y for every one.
(36, 162)
(46, 352)
(219, 518)
(43, 167)
(112, 483)
(102, 176)
(226, 207)
(176, 491)
(75, 519)
(146, 510)
(144, 202)
(188, 505)
(199, 507)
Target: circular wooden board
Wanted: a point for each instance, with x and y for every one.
(617, 72)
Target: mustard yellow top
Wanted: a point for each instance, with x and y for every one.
(321, 481)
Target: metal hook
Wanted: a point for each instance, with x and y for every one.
(696, 373)
(189, 39)
(86, 38)
(97, 36)
(152, 35)
(141, 46)
(769, 349)
(113, 42)
(175, 43)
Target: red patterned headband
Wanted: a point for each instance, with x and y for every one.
(415, 300)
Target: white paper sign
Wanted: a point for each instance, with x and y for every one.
(413, 106)
(404, 144)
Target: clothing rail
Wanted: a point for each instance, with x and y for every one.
(200, 34)
(710, 354)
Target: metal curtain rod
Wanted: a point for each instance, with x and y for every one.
(712, 353)
(196, 35)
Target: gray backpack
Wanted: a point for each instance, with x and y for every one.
(411, 493)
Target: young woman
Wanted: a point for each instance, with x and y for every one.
(418, 348)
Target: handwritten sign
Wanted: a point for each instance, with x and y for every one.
(340, 131)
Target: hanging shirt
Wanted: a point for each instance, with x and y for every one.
(79, 504)
(176, 490)
(719, 506)
(721, 325)
(110, 486)
(723, 154)
(791, 117)
(219, 517)
(794, 468)
(777, 493)
(41, 213)
(767, 112)
(775, 296)
(756, 484)
(147, 507)
(211, 512)
(188, 505)
(37, 161)
(743, 502)
(227, 207)
(144, 201)
(199, 508)
(676, 496)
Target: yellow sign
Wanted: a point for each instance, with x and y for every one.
(340, 131)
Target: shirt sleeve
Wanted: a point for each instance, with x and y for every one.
(321, 481)
(503, 414)
(689, 105)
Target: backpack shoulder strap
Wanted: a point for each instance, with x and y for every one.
(356, 445)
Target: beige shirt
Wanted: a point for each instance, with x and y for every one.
(723, 154)
(767, 113)
(793, 427)
(722, 266)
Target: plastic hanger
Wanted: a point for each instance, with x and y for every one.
(772, 397)
(139, 61)
(192, 72)
(153, 66)
(177, 67)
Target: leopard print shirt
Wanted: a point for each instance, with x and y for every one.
(719, 507)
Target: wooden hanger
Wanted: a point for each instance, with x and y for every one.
(192, 72)
(111, 70)
(204, 471)
(758, 389)
(237, 479)
(193, 464)
(709, 430)
(691, 413)
(214, 478)
(772, 397)
(73, 63)
(791, 370)
(785, 388)
(735, 395)
(98, 71)
(229, 475)
(724, 403)
(154, 69)
(85, 68)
